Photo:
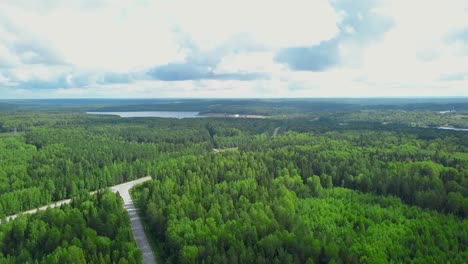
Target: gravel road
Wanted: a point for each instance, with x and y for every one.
(137, 227)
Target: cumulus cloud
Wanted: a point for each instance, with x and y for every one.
(21, 47)
(458, 40)
(360, 24)
(457, 76)
(272, 23)
(202, 64)
(191, 71)
(316, 58)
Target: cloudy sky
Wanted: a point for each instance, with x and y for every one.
(241, 48)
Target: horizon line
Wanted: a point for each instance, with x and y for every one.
(238, 98)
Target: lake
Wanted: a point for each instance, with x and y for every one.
(163, 114)
(453, 128)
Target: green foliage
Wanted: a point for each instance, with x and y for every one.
(249, 207)
(334, 186)
(90, 230)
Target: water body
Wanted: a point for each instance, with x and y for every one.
(163, 114)
(453, 128)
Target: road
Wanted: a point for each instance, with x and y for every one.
(137, 227)
(276, 131)
(33, 211)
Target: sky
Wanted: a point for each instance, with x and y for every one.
(233, 49)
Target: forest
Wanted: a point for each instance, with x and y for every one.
(90, 230)
(343, 194)
(345, 181)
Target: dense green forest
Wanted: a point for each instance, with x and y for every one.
(346, 181)
(93, 229)
(241, 219)
(276, 201)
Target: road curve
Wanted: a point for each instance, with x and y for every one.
(137, 227)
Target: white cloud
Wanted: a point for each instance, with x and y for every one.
(415, 51)
(272, 23)
(80, 44)
(261, 62)
(110, 37)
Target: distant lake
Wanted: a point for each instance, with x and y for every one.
(164, 114)
(453, 128)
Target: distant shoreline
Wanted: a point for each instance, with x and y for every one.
(234, 115)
